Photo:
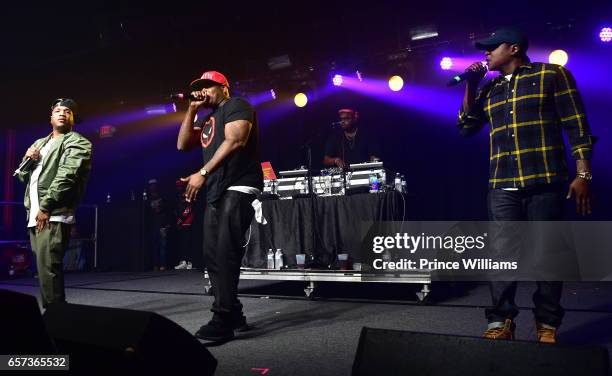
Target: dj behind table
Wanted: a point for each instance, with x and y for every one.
(344, 199)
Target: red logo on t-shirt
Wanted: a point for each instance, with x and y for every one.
(208, 132)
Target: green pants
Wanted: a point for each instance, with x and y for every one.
(49, 246)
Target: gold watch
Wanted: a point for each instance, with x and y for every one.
(203, 171)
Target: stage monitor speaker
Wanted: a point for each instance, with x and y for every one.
(23, 329)
(394, 352)
(113, 339)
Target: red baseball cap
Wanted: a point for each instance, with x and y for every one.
(208, 79)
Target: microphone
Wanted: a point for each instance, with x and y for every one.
(25, 165)
(465, 76)
(186, 97)
(336, 123)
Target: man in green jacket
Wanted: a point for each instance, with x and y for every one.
(54, 185)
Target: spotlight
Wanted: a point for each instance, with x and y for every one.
(446, 63)
(605, 34)
(337, 80)
(559, 57)
(359, 76)
(300, 99)
(396, 83)
(272, 93)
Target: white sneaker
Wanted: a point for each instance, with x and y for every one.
(182, 265)
(189, 266)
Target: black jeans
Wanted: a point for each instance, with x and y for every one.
(544, 203)
(225, 224)
(185, 240)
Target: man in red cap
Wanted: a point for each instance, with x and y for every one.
(232, 174)
(352, 144)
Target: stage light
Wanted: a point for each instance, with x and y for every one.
(446, 63)
(359, 76)
(605, 34)
(272, 93)
(423, 32)
(337, 80)
(559, 57)
(160, 109)
(300, 99)
(396, 83)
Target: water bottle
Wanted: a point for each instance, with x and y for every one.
(144, 195)
(108, 198)
(132, 195)
(374, 183)
(275, 187)
(398, 182)
(270, 259)
(278, 259)
(404, 187)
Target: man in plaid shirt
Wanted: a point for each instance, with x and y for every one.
(528, 107)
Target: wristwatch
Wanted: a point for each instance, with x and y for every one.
(585, 175)
(203, 171)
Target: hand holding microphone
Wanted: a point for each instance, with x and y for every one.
(197, 99)
(477, 71)
(473, 74)
(33, 153)
(31, 157)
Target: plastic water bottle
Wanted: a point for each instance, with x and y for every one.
(278, 259)
(404, 187)
(270, 259)
(132, 195)
(144, 195)
(108, 198)
(374, 183)
(398, 182)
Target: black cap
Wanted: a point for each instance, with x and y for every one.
(510, 35)
(71, 104)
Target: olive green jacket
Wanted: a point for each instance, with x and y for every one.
(64, 174)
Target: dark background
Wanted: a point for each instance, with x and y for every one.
(115, 59)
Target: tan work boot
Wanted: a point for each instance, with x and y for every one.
(546, 334)
(502, 332)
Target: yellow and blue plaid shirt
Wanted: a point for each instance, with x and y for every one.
(526, 117)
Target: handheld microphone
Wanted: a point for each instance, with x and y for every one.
(336, 123)
(25, 165)
(186, 97)
(465, 76)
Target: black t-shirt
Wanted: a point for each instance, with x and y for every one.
(358, 150)
(243, 166)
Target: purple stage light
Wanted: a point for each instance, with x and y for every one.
(272, 93)
(605, 34)
(337, 80)
(161, 109)
(446, 63)
(359, 76)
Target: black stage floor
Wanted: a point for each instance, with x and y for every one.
(294, 335)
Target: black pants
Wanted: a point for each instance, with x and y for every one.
(225, 225)
(185, 241)
(543, 203)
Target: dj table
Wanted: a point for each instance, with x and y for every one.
(337, 223)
